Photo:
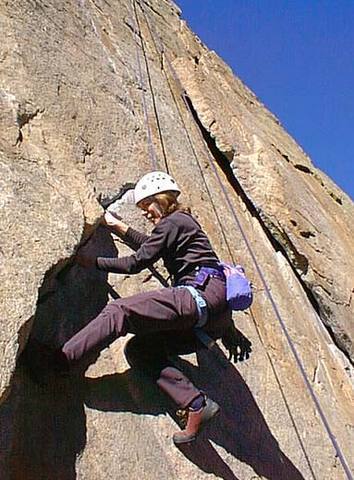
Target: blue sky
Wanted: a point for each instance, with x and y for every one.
(298, 57)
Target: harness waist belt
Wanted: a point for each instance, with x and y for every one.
(216, 271)
(203, 273)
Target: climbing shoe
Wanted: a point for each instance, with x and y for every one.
(196, 421)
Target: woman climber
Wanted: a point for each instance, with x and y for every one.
(164, 320)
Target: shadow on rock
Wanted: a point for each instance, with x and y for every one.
(134, 392)
(43, 428)
(77, 295)
(203, 454)
(42, 431)
(240, 428)
(130, 391)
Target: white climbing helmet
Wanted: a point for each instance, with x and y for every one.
(153, 183)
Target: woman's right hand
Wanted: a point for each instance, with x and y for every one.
(237, 344)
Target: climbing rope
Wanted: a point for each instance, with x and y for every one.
(151, 149)
(161, 50)
(152, 152)
(298, 361)
(204, 338)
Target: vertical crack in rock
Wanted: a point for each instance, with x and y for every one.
(24, 116)
(296, 261)
(307, 170)
(152, 9)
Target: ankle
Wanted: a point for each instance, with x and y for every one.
(197, 403)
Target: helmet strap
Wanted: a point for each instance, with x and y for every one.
(155, 206)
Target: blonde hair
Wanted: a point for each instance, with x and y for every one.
(168, 203)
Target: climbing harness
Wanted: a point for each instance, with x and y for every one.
(298, 361)
(201, 304)
(238, 288)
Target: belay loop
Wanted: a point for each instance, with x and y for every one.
(239, 294)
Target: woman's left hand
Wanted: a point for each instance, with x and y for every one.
(114, 222)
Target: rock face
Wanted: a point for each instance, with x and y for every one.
(78, 79)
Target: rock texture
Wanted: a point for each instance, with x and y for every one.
(74, 79)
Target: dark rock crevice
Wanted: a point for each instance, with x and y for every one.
(277, 233)
(299, 262)
(107, 199)
(302, 168)
(336, 198)
(24, 116)
(57, 272)
(306, 169)
(142, 3)
(51, 278)
(307, 233)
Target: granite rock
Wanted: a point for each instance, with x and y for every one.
(83, 85)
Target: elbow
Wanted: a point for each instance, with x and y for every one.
(139, 267)
(135, 268)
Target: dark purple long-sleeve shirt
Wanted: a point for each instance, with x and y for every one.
(178, 239)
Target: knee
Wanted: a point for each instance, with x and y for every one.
(171, 374)
(114, 317)
(142, 354)
(134, 352)
(112, 308)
